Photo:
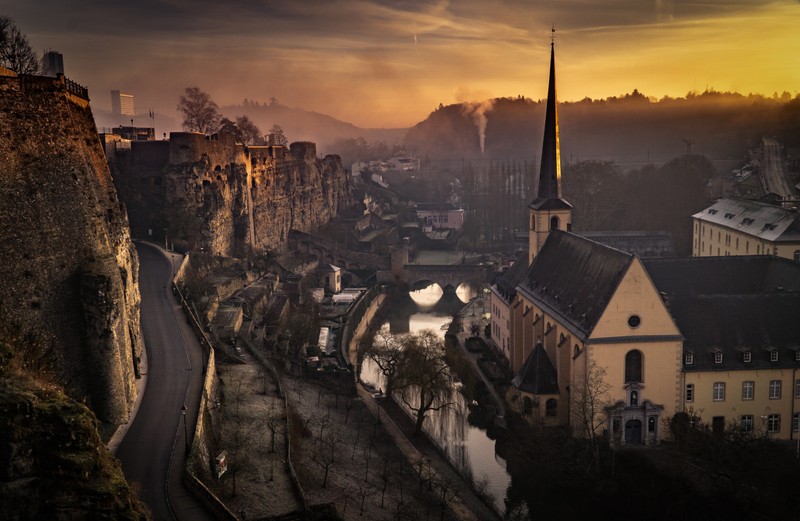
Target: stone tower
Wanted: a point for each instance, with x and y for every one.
(548, 211)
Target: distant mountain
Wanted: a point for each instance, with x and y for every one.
(303, 125)
(630, 130)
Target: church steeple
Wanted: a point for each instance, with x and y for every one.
(549, 211)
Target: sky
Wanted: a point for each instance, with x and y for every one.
(380, 63)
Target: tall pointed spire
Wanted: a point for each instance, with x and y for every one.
(550, 171)
(549, 211)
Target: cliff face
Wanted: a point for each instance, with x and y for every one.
(68, 291)
(231, 200)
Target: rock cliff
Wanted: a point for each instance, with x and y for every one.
(68, 291)
(223, 197)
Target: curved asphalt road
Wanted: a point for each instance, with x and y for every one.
(153, 449)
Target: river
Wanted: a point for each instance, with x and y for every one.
(467, 447)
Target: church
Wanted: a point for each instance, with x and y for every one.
(611, 344)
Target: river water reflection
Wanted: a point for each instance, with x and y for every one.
(467, 446)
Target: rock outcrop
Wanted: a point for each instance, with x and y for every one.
(68, 289)
(224, 197)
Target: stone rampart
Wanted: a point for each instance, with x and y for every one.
(69, 289)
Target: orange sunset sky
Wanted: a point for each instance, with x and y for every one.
(388, 64)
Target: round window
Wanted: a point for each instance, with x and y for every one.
(634, 321)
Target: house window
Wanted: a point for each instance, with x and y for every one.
(718, 357)
(551, 408)
(690, 392)
(796, 422)
(797, 356)
(797, 255)
(774, 423)
(633, 366)
(688, 358)
(748, 389)
(719, 391)
(773, 355)
(747, 357)
(746, 424)
(774, 389)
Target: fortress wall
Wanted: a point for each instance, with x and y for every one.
(69, 288)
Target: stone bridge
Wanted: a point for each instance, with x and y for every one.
(329, 252)
(417, 276)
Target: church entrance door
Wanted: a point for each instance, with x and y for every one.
(633, 432)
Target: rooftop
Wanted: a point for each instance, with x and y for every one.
(765, 221)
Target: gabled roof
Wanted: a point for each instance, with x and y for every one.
(537, 375)
(574, 278)
(733, 275)
(645, 244)
(761, 220)
(507, 283)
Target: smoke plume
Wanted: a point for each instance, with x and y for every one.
(477, 112)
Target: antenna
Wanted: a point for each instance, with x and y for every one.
(553, 35)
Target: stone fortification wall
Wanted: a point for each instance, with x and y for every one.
(69, 286)
(228, 199)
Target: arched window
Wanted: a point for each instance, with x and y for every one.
(554, 222)
(551, 408)
(633, 366)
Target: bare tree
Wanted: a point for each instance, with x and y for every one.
(386, 350)
(200, 113)
(277, 137)
(249, 133)
(424, 377)
(15, 51)
(589, 399)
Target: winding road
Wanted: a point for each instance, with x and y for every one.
(152, 451)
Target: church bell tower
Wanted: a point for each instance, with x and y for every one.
(548, 211)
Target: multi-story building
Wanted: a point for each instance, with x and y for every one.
(122, 104)
(742, 227)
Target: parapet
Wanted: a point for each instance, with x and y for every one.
(304, 150)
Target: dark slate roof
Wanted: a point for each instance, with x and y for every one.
(537, 375)
(735, 323)
(645, 244)
(541, 203)
(734, 275)
(733, 304)
(574, 278)
(761, 220)
(507, 283)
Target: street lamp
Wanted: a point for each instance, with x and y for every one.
(185, 429)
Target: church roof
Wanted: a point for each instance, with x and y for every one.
(574, 278)
(537, 375)
(761, 220)
(645, 244)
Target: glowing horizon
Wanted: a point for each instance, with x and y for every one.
(374, 64)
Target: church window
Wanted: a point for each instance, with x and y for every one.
(651, 424)
(554, 222)
(633, 366)
(719, 391)
(634, 321)
(689, 392)
(551, 408)
(577, 351)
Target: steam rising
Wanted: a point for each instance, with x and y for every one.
(477, 112)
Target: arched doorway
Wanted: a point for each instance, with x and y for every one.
(633, 432)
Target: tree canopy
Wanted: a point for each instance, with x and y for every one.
(15, 51)
(200, 113)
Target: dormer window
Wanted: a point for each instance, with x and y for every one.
(747, 221)
(797, 356)
(718, 357)
(773, 355)
(688, 358)
(712, 211)
(747, 357)
(729, 216)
